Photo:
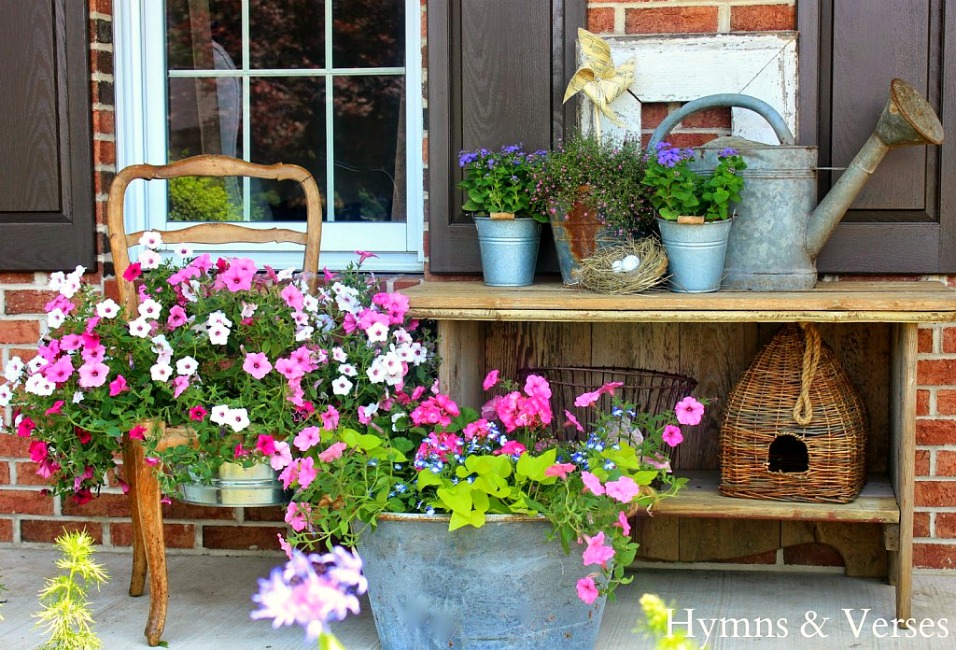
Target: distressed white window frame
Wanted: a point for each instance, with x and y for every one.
(681, 68)
(140, 83)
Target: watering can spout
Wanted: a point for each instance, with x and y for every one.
(907, 120)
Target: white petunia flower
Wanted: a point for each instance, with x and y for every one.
(107, 309)
(184, 250)
(36, 363)
(219, 334)
(160, 372)
(150, 259)
(304, 334)
(219, 415)
(39, 385)
(151, 239)
(248, 309)
(310, 303)
(218, 318)
(13, 369)
(149, 308)
(341, 386)
(377, 332)
(376, 373)
(140, 328)
(5, 395)
(338, 354)
(55, 318)
(237, 419)
(187, 366)
(285, 274)
(77, 397)
(70, 286)
(347, 370)
(56, 280)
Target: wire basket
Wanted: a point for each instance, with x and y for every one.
(650, 391)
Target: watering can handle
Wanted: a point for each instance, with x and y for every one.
(758, 106)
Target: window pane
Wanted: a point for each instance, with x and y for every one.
(369, 148)
(288, 125)
(204, 34)
(368, 33)
(286, 34)
(205, 116)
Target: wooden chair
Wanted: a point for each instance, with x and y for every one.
(149, 553)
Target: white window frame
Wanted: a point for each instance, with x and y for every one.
(140, 83)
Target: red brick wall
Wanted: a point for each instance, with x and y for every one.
(26, 516)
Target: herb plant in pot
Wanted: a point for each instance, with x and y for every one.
(498, 186)
(480, 525)
(694, 213)
(591, 192)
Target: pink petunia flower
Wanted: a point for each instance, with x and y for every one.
(177, 317)
(257, 364)
(592, 483)
(560, 470)
(491, 379)
(56, 408)
(137, 432)
(307, 438)
(197, 413)
(586, 399)
(133, 271)
(307, 472)
(118, 385)
(623, 489)
(364, 255)
(672, 435)
(93, 374)
(266, 445)
(297, 515)
(511, 448)
(597, 551)
(180, 384)
(623, 523)
(572, 421)
(587, 590)
(60, 370)
(236, 278)
(689, 411)
(330, 418)
(292, 296)
(38, 451)
(333, 452)
(537, 386)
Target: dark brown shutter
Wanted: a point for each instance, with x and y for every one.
(904, 221)
(497, 70)
(46, 183)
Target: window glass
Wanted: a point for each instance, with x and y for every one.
(368, 33)
(202, 33)
(287, 34)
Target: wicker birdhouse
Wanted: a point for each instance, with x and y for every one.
(795, 427)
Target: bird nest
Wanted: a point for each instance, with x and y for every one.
(629, 266)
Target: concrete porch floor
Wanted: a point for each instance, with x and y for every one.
(210, 604)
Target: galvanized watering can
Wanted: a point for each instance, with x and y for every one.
(777, 232)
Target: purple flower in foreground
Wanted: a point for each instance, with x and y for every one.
(727, 153)
(312, 590)
(669, 157)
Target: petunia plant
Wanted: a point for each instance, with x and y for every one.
(243, 358)
(430, 455)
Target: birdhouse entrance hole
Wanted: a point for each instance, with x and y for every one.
(788, 454)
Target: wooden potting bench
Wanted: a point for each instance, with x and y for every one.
(470, 317)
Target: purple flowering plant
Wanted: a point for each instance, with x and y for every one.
(677, 190)
(600, 178)
(243, 358)
(312, 590)
(436, 457)
(499, 181)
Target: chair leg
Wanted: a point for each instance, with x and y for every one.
(137, 581)
(150, 518)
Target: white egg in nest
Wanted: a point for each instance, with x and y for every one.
(630, 263)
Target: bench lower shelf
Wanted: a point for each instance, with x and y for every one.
(700, 498)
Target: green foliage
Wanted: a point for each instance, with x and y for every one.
(202, 198)
(601, 176)
(499, 181)
(678, 190)
(66, 615)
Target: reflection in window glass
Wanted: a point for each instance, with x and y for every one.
(270, 99)
(368, 33)
(198, 32)
(287, 34)
(369, 179)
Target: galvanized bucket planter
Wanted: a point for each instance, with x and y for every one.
(237, 486)
(695, 254)
(499, 587)
(509, 250)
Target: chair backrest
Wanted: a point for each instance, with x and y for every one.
(212, 233)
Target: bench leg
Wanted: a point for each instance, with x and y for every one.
(149, 522)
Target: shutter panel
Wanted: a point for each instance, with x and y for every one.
(497, 70)
(904, 220)
(46, 183)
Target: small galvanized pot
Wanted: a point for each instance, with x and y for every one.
(695, 254)
(237, 486)
(499, 587)
(509, 250)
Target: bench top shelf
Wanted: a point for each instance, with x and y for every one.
(846, 301)
(700, 498)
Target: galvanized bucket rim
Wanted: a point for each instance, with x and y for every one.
(444, 518)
